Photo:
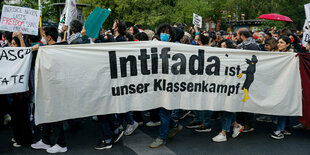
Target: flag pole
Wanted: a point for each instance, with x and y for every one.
(40, 8)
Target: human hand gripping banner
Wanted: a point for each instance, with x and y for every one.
(15, 65)
(86, 80)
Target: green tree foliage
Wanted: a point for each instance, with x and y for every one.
(154, 12)
(151, 13)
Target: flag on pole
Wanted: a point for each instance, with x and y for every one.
(68, 14)
(40, 8)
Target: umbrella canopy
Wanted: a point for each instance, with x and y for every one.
(275, 16)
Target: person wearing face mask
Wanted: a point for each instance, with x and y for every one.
(168, 127)
(165, 32)
(111, 124)
(276, 35)
(296, 43)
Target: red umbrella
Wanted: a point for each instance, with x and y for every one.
(275, 16)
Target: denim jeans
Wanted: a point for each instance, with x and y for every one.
(166, 123)
(203, 116)
(106, 126)
(124, 117)
(227, 119)
(283, 121)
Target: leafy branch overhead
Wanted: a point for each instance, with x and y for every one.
(151, 13)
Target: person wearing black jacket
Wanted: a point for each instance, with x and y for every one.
(246, 39)
(50, 34)
(247, 43)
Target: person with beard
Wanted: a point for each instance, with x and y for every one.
(261, 40)
(247, 42)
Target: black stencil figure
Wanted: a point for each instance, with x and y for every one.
(249, 72)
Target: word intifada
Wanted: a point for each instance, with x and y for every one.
(179, 67)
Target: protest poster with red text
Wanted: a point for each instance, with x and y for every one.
(25, 20)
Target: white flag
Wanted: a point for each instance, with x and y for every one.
(68, 14)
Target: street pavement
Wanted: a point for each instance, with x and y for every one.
(186, 142)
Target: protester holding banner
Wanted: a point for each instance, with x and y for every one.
(111, 124)
(168, 127)
(283, 125)
(228, 118)
(20, 105)
(247, 43)
(50, 34)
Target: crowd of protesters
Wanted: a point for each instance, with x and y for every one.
(17, 109)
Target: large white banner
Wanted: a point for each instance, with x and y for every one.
(86, 80)
(15, 19)
(15, 65)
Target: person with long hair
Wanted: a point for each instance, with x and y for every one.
(271, 44)
(283, 129)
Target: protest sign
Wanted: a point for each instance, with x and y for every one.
(15, 18)
(307, 10)
(306, 34)
(197, 20)
(15, 66)
(95, 20)
(86, 80)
